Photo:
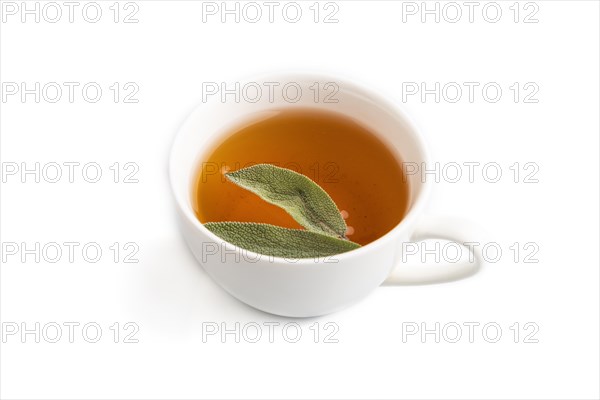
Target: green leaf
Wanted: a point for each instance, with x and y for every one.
(302, 198)
(276, 241)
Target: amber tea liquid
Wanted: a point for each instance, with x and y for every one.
(362, 176)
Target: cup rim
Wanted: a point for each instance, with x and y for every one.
(381, 97)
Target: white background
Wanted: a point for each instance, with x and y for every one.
(169, 53)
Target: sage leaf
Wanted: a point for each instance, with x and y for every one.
(302, 198)
(276, 241)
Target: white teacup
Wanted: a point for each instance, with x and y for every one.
(309, 287)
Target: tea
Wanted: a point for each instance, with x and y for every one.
(360, 173)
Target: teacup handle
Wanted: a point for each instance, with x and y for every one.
(448, 228)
